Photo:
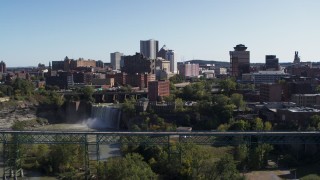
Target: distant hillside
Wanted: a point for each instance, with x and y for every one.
(216, 63)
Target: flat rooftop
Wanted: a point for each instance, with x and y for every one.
(303, 109)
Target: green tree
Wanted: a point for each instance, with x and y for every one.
(130, 167)
(6, 90)
(225, 168)
(258, 124)
(241, 153)
(22, 87)
(179, 105)
(194, 159)
(176, 79)
(318, 89)
(267, 126)
(221, 100)
(55, 98)
(128, 107)
(259, 156)
(87, 93)
(237, 99)
(187, 92)
(240, 125)
(223, 127)
(227, 85)
(315, 122)
(66, 157)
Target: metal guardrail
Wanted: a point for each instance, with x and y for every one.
(98, 138)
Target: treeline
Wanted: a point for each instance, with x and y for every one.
(24, 90)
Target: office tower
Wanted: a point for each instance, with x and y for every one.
(168, 54)
(116, 60)
(149, 48)
(3, 67)
(99, 64)
(173, 62)
(296, 58)
(239, 61)
(272, 62)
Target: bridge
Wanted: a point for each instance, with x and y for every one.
(110, 96)
(97, 138)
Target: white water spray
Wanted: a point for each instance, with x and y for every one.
(104, 116)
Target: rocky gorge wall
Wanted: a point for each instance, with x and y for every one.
(71, 112)
(12, 111)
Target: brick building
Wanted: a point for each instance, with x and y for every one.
(62, 80)
(270, 92)
(297, 85)
(138, 64)
(157, 89)
(135, 80)
(71, 64)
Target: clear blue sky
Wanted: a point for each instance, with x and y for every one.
(33, 31)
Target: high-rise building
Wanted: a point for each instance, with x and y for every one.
(116, 60)
(149, 48)
(3, 67)
(239, 61)
(173, 62)
(168, 54)
(296, 58)
(138, 64)
(189, 70)
(99, 64)
(272, 62)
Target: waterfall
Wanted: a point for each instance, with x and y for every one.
(104, 116)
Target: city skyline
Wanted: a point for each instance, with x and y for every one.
(35, 32)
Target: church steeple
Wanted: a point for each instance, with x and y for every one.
(296, 58)
(50, 69)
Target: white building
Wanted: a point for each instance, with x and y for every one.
(220, 71)
(149, 48)
(116, 60)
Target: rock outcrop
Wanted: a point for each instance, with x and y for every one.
(16, 111)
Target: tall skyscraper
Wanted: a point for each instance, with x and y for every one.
(239, 61)
(272, 62)
(149, 48)
(168, 54)
(3, 67)
(116, 60)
